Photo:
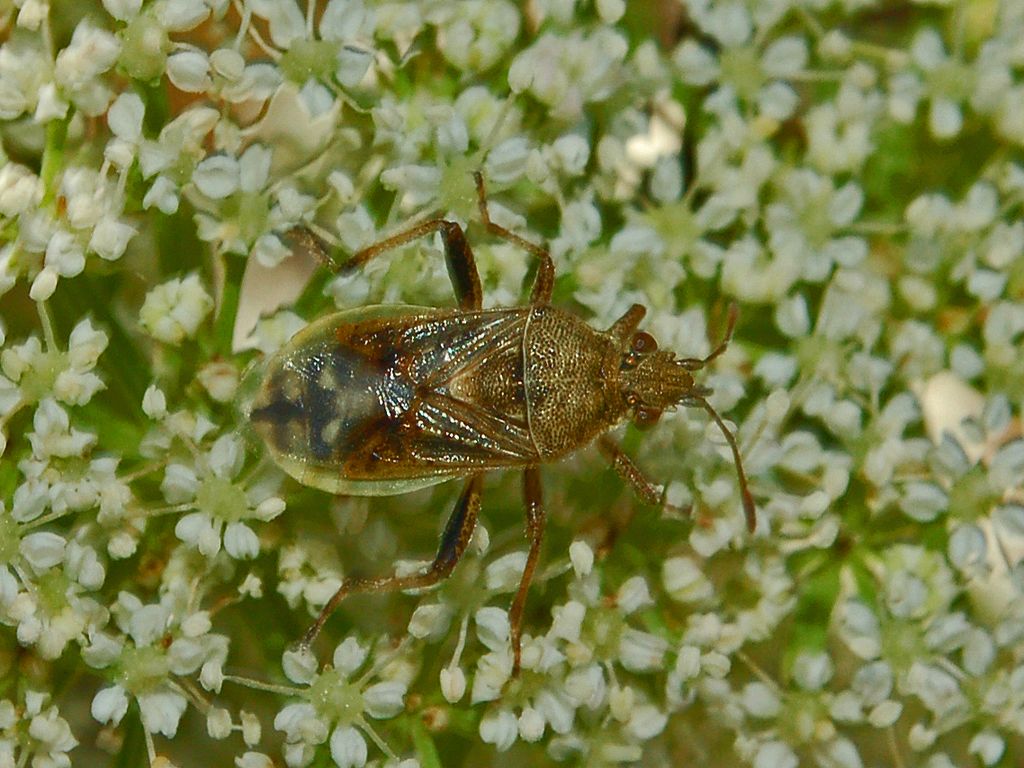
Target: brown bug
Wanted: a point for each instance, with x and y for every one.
(382, 400)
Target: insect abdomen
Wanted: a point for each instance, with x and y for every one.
(314, 401)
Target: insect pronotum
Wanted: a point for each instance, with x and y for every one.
(386, 399)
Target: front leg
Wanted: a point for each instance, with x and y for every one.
(646, 491)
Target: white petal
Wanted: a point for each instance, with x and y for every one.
(240, 542)
(430, 619)
(384, 699)
(567, 620)
(182, 15)
(641, 651)
(191, 526)
(43, 549)
(349, 656)
(294, 720)
(162, 711)
(189, 70)
(124, 118)
(945, 118)
(492, 627)
(582, 558)
(500, 729)
(453, 684)
(300, 666)
(352, 64)
(110, 705)
(147, 624)
(216, 176)
(254, 167)
(531, 725)
(226, 456)
(633, 595)
(110, 238)
(348, 748)
(122, 10)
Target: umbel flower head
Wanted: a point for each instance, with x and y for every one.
(848, 174)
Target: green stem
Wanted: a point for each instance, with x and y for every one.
(224, 329)
(424, 745)
(284, 690)
(46, 320)
(53, 157)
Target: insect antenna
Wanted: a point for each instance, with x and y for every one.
(696, 363)
(748, 500)
(697, 397)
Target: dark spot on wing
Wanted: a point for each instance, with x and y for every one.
(277, 412)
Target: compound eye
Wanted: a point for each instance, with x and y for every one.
(645, 418)
(643, 343)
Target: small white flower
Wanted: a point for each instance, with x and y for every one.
(430, 620)
(500, 728)
(64, 254)
(110, 705)
(760, 700)
(110, 238)
(582, 558)
(568, 621)
(20, 189)
(44, 285)
(641, 651)
(988, 745)
(453, 684)
(531, 725)
(938, 690)
(91, 52)
(775, 754)
(173, 312)
(218, 723)
(633, 595)
(885, 714)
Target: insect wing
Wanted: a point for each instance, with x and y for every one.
(452, 395)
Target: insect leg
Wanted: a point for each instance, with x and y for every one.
(307, 240)
(535, 519)
(457, 254)
(623, 328)
(647, 491)
(454, 540)
(545, 280)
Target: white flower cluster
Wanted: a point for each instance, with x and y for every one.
(858, 194)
